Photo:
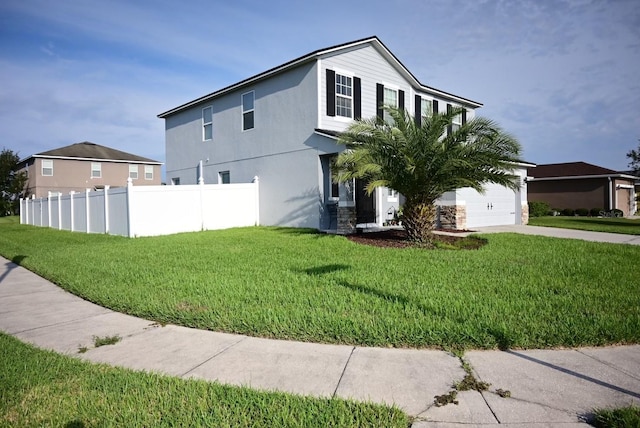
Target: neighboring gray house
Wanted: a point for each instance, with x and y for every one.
(282, 126)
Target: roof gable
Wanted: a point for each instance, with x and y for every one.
(88, 150)
(315, 55)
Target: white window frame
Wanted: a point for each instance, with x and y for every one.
(148, 172)
(249, 110)
(207, 124)
(385, 115)
(47, 164)
(347, 96)
(96, 170)
(133, 171)
(426, 107)
(456, 123)
(222, 174)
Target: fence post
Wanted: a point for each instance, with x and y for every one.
(59, 211)
(21, 211)
(106, 208)
(49, 209)
(86, 208)
(130, 228)
(201, 185)
(256, 192)
(71, 214)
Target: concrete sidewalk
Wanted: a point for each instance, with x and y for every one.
(548, 388)
(555, 232)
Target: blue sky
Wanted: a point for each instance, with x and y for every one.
(561, 76)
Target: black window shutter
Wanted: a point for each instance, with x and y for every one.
(357, 99)
(331, 93)
(379, 99)
(464, 116)
(418, 111)
(435, 106)
(401, 99)
(449, 128)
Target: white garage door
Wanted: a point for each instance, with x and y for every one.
(496, 207)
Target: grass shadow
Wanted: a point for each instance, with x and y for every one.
(321, 270)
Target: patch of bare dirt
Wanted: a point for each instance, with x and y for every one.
(396, 238)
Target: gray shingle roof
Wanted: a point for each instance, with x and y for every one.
(88, 150)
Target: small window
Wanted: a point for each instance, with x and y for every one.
(248, 110)
(175, 181)
(148, 172)
(390, 99)
(96, 170)
(456, 123)
(133, 172)
(47, 167)
(344, 88)
(207, 123)
(224, 177)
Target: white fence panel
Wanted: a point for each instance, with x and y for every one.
(147, 210)
(118, 220)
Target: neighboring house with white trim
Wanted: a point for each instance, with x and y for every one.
(86, 165)
(282, 125)
(582, 185)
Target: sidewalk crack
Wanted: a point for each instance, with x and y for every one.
(213, 356)
(335, 391)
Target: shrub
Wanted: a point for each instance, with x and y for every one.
(568, 212)
(595, 212)
(538, 209)
(582, 212)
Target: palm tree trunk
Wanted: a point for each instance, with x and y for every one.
(418, 220)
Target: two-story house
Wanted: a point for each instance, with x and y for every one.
(83, 166)
(282, 125)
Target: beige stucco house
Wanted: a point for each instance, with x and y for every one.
(84, 166)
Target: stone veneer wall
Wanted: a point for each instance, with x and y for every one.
(525, 213)
(452, 216)
(346, 220)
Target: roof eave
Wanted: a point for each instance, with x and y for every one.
(93, 159)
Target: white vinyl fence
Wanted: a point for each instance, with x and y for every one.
(147, 210)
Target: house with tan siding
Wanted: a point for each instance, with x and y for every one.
(86, 165)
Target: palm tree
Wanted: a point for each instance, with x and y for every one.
(423, 162)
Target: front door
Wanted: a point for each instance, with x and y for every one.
(365, 204)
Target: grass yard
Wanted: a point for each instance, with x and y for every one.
(595, 224)
(41, 388)
(515, 292)
(625, 417)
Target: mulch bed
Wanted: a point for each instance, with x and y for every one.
(396, 238)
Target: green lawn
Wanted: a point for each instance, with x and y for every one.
(516, 292)
(41, 388)
(596, 224)
(625, 417)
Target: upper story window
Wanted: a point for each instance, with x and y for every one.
(390, 99)
(426, 109)
(207, 123)
(148, 172)
(248, 110)
(175, 181)
(96, 170)
(133, 172)
(344, 95)
(47, 167)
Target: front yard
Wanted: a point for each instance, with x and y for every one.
(515, 292)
